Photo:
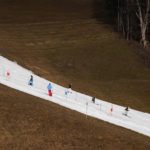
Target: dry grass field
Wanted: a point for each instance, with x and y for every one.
(29, 123)
(61, 41)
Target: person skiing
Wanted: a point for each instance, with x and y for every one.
(31, 80)
(126, 111)
(49, 87)
(93, 99)
(69, 86)
(7, 74)
(69, 90)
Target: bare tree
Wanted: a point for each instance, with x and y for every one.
(123, 16)
(144, 20)
(118, 16)
(127, 19)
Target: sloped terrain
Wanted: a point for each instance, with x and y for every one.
(27, 122)
(63, 43)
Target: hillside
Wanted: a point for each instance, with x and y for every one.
(27, 122)
(61, 41)
(66, 45)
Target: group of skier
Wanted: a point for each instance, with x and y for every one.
(69, 90)
(49, 87)
(126, 110)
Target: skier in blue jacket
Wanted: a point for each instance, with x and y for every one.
(49, 87)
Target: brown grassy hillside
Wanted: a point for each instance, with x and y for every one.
(64, 44)
(30, 123)
(59, 40)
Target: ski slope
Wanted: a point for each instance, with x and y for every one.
(17, 77)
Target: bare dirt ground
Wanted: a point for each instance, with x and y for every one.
(28, 122)
(61, 41)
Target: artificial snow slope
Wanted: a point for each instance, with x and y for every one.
(17, 77)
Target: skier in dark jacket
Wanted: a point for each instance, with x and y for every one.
(126, 111)
(68, 90)
(31, 80)
(69, 86)
(93, 99)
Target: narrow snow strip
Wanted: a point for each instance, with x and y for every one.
(15, 76)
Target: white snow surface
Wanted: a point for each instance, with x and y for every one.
(17, 77)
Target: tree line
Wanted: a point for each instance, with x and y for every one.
(131, 18)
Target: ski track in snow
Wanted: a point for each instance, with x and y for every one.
(17, 77)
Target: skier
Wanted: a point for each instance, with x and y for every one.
(49, 87)
(31, 80)
(69, 86)
(69, 90)
(110, 111)
(7, 74)
(93, 99)
(126, 111)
